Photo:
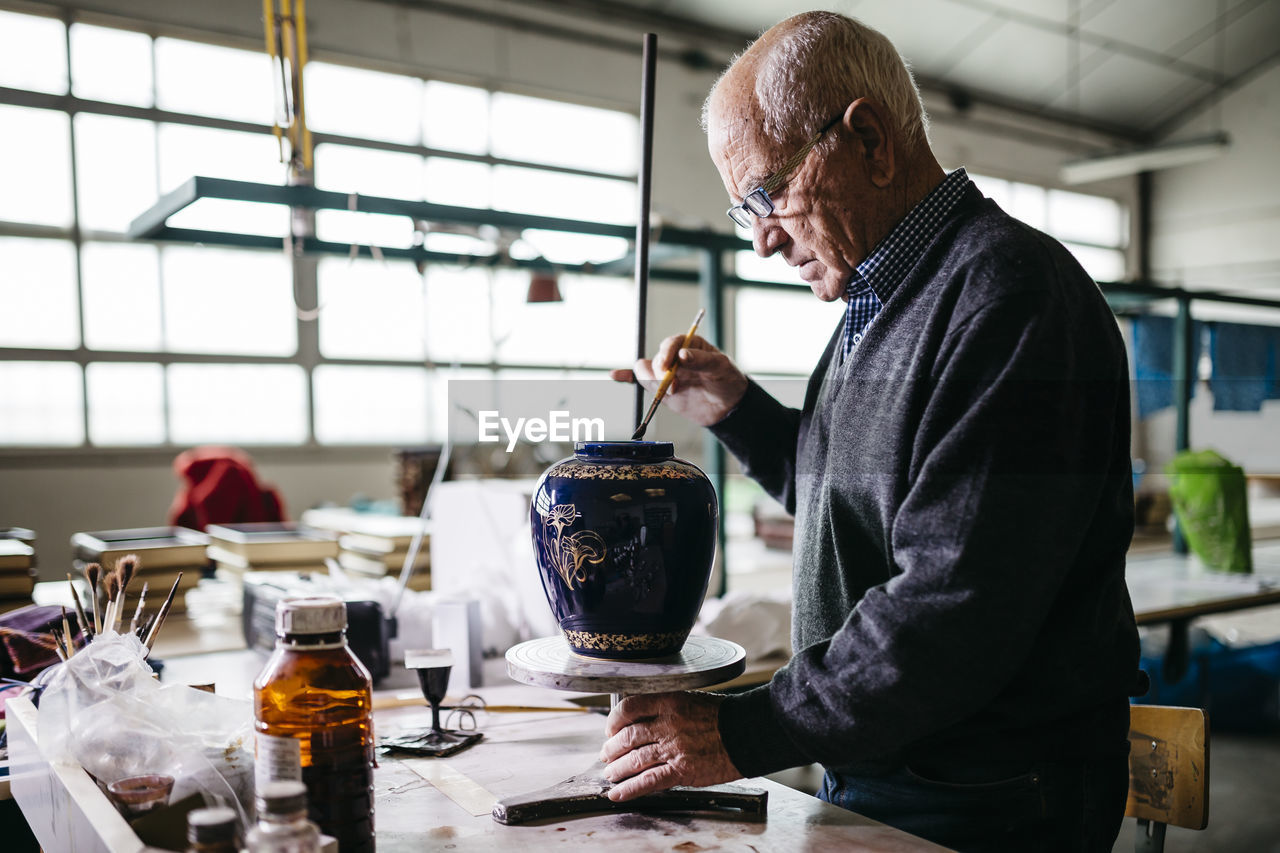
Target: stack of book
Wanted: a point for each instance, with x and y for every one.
(17, 574)
(378, 546)
(275, 546)
(164, 554)
(374, 545)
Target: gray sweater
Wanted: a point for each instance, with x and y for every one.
(963, 501)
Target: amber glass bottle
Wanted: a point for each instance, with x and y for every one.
(313, 719)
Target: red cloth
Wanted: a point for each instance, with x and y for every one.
(221, 487)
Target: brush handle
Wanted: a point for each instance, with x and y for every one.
(671, 371)
(164, 611)
(667, 378)
(86, 630)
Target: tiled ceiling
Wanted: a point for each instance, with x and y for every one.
(1132, 67)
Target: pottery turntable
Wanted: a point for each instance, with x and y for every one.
(548, 662)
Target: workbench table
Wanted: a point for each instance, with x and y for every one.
(1174, 589)
(426, 804)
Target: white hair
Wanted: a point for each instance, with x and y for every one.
(820, 64)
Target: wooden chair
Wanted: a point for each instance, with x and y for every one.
(1168, 771)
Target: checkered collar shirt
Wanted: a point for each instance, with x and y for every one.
(881, 271)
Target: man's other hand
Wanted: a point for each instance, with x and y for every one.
(659, 740)
(707, 384)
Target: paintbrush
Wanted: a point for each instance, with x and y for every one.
(57, 645)
(91, 573)
(137, 612)
(86, 630)
(164, 611)
(112, 584)
(66, 632)
(125, 567)
(667, 378)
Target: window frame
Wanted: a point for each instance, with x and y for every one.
(305, 278)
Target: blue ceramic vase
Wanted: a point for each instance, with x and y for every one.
(625, 537)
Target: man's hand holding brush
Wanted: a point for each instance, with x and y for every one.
(707, 384)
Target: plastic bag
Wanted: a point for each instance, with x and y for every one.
(1211, 503)
(104, 710)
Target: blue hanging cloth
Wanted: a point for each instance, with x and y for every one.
(1153, 362)
(1244, 366)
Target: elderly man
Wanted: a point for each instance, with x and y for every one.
(959, 473)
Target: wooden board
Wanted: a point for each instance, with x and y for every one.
(1168, 765)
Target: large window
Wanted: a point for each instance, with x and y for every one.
(106, 342)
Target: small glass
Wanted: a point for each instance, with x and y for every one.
(134, 796)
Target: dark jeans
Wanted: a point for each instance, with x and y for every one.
(1040, 806)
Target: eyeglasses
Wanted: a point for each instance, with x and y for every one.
(757, 202)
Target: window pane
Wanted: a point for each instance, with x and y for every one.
(1101, 264)
(121, 297)
(345, 169)
(186, 151)
(115, 170)
(1087, 218)
(208, 80)
(375, 405)
(809, 324)
(237, 403)
(1027, 202)
(38, 306)
(35, 166)
(111, 65)
(563, 247)
(565, 135)
(227, 301)
(750, 265)
(364, 229)
(462, 183)
(458, 315)
(33, 53)
(457, 244)
(42, 403)
(534, 333)
(455, 117)
(370, 309)
(126, 403)
(566, 196)
(364, 104)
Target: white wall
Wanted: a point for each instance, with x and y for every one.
(1215, 224)
(57, 494)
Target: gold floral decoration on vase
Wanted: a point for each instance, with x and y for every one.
(570, 555)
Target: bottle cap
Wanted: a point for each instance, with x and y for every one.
(206, 825)
(312, 614)
(284, 796)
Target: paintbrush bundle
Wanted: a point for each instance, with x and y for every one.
(119, 605)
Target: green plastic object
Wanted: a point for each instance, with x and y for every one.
(1212, 507)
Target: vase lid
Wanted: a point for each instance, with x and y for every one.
(641, 450)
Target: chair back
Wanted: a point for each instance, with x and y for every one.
(1169, 765)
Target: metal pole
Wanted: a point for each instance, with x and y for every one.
(1184, 374)
(649, 64)
(711, 294)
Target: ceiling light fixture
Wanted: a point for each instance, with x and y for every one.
(1156, 157)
